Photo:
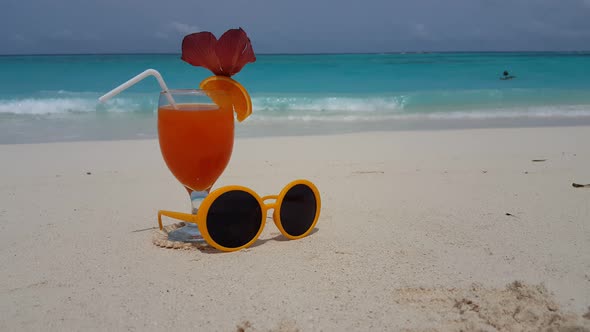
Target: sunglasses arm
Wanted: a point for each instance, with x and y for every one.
(176, 215)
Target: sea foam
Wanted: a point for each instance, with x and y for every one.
(297, 107)
(60, 105)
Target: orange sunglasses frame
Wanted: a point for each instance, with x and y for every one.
(201, 217)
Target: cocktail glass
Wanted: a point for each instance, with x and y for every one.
(196, 140)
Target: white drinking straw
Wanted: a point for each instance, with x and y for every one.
(134, 80)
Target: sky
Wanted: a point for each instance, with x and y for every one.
(295, 26)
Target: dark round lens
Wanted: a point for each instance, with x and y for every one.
(234, 219)
(298, 210)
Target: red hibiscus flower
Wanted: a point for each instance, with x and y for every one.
(225, 57)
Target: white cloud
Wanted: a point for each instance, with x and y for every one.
(420, 30)
(175, 29)
(183, 27)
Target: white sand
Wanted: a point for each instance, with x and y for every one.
(413, 235)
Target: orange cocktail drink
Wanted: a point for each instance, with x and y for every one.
(196, 136)
(196, 141)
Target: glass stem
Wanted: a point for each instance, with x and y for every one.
(190, 232)
(197, 198)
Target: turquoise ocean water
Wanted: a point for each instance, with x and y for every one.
(54, 98)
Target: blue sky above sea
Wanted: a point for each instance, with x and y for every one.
(305, 26)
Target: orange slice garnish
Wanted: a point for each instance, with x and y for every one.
(239, 97)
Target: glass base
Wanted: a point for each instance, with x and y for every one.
(189, 233)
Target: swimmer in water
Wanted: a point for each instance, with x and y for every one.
(507, 76)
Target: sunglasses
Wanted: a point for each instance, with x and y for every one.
(233, 217)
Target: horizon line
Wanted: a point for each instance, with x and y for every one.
(304, 53)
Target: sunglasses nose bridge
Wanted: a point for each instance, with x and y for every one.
(272, 205)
